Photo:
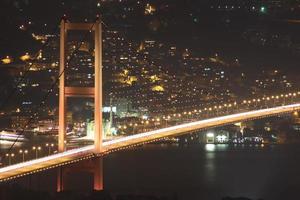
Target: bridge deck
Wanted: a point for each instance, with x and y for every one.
(33, 166)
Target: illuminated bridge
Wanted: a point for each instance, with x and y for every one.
(75, 155)
(99, 149)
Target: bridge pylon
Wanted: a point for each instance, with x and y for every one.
(93, 166)
(95, 92)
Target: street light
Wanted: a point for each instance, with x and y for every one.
(36, 149)
(49, 147)
(23, 154)
(10, 156)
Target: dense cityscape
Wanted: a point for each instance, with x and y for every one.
(164, 64)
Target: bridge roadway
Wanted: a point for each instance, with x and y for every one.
(75, 155)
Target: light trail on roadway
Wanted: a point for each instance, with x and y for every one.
(74, 155)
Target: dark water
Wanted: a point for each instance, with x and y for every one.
(199, 172)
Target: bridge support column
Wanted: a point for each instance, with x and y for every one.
(95, 92)
(98, 174)
(62, 97)
(94, 166)
(60, 180)
(98, 88)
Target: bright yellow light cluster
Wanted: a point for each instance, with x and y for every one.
(41, 38)
(149, 9)
(6, 60)
(158, 88)
(25, 57)
(154, 78)
(128, 80)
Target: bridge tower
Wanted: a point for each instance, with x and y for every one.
(93, 166)
(95, 92)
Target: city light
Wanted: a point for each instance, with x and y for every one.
(6, 60)
(25, 57)
(262, 9)
(221, 138)
(149, 9)
(210, 135)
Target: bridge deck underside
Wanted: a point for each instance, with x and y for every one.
(34, 166)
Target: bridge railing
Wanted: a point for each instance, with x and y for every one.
(162, 120)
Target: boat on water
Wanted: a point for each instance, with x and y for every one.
(12, 136)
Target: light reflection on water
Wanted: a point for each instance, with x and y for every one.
(210, 147)
(209, 165)
(216, 147)
(208, 171)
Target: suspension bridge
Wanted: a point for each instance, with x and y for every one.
(100, 148)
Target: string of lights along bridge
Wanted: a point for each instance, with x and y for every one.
(153, 129)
